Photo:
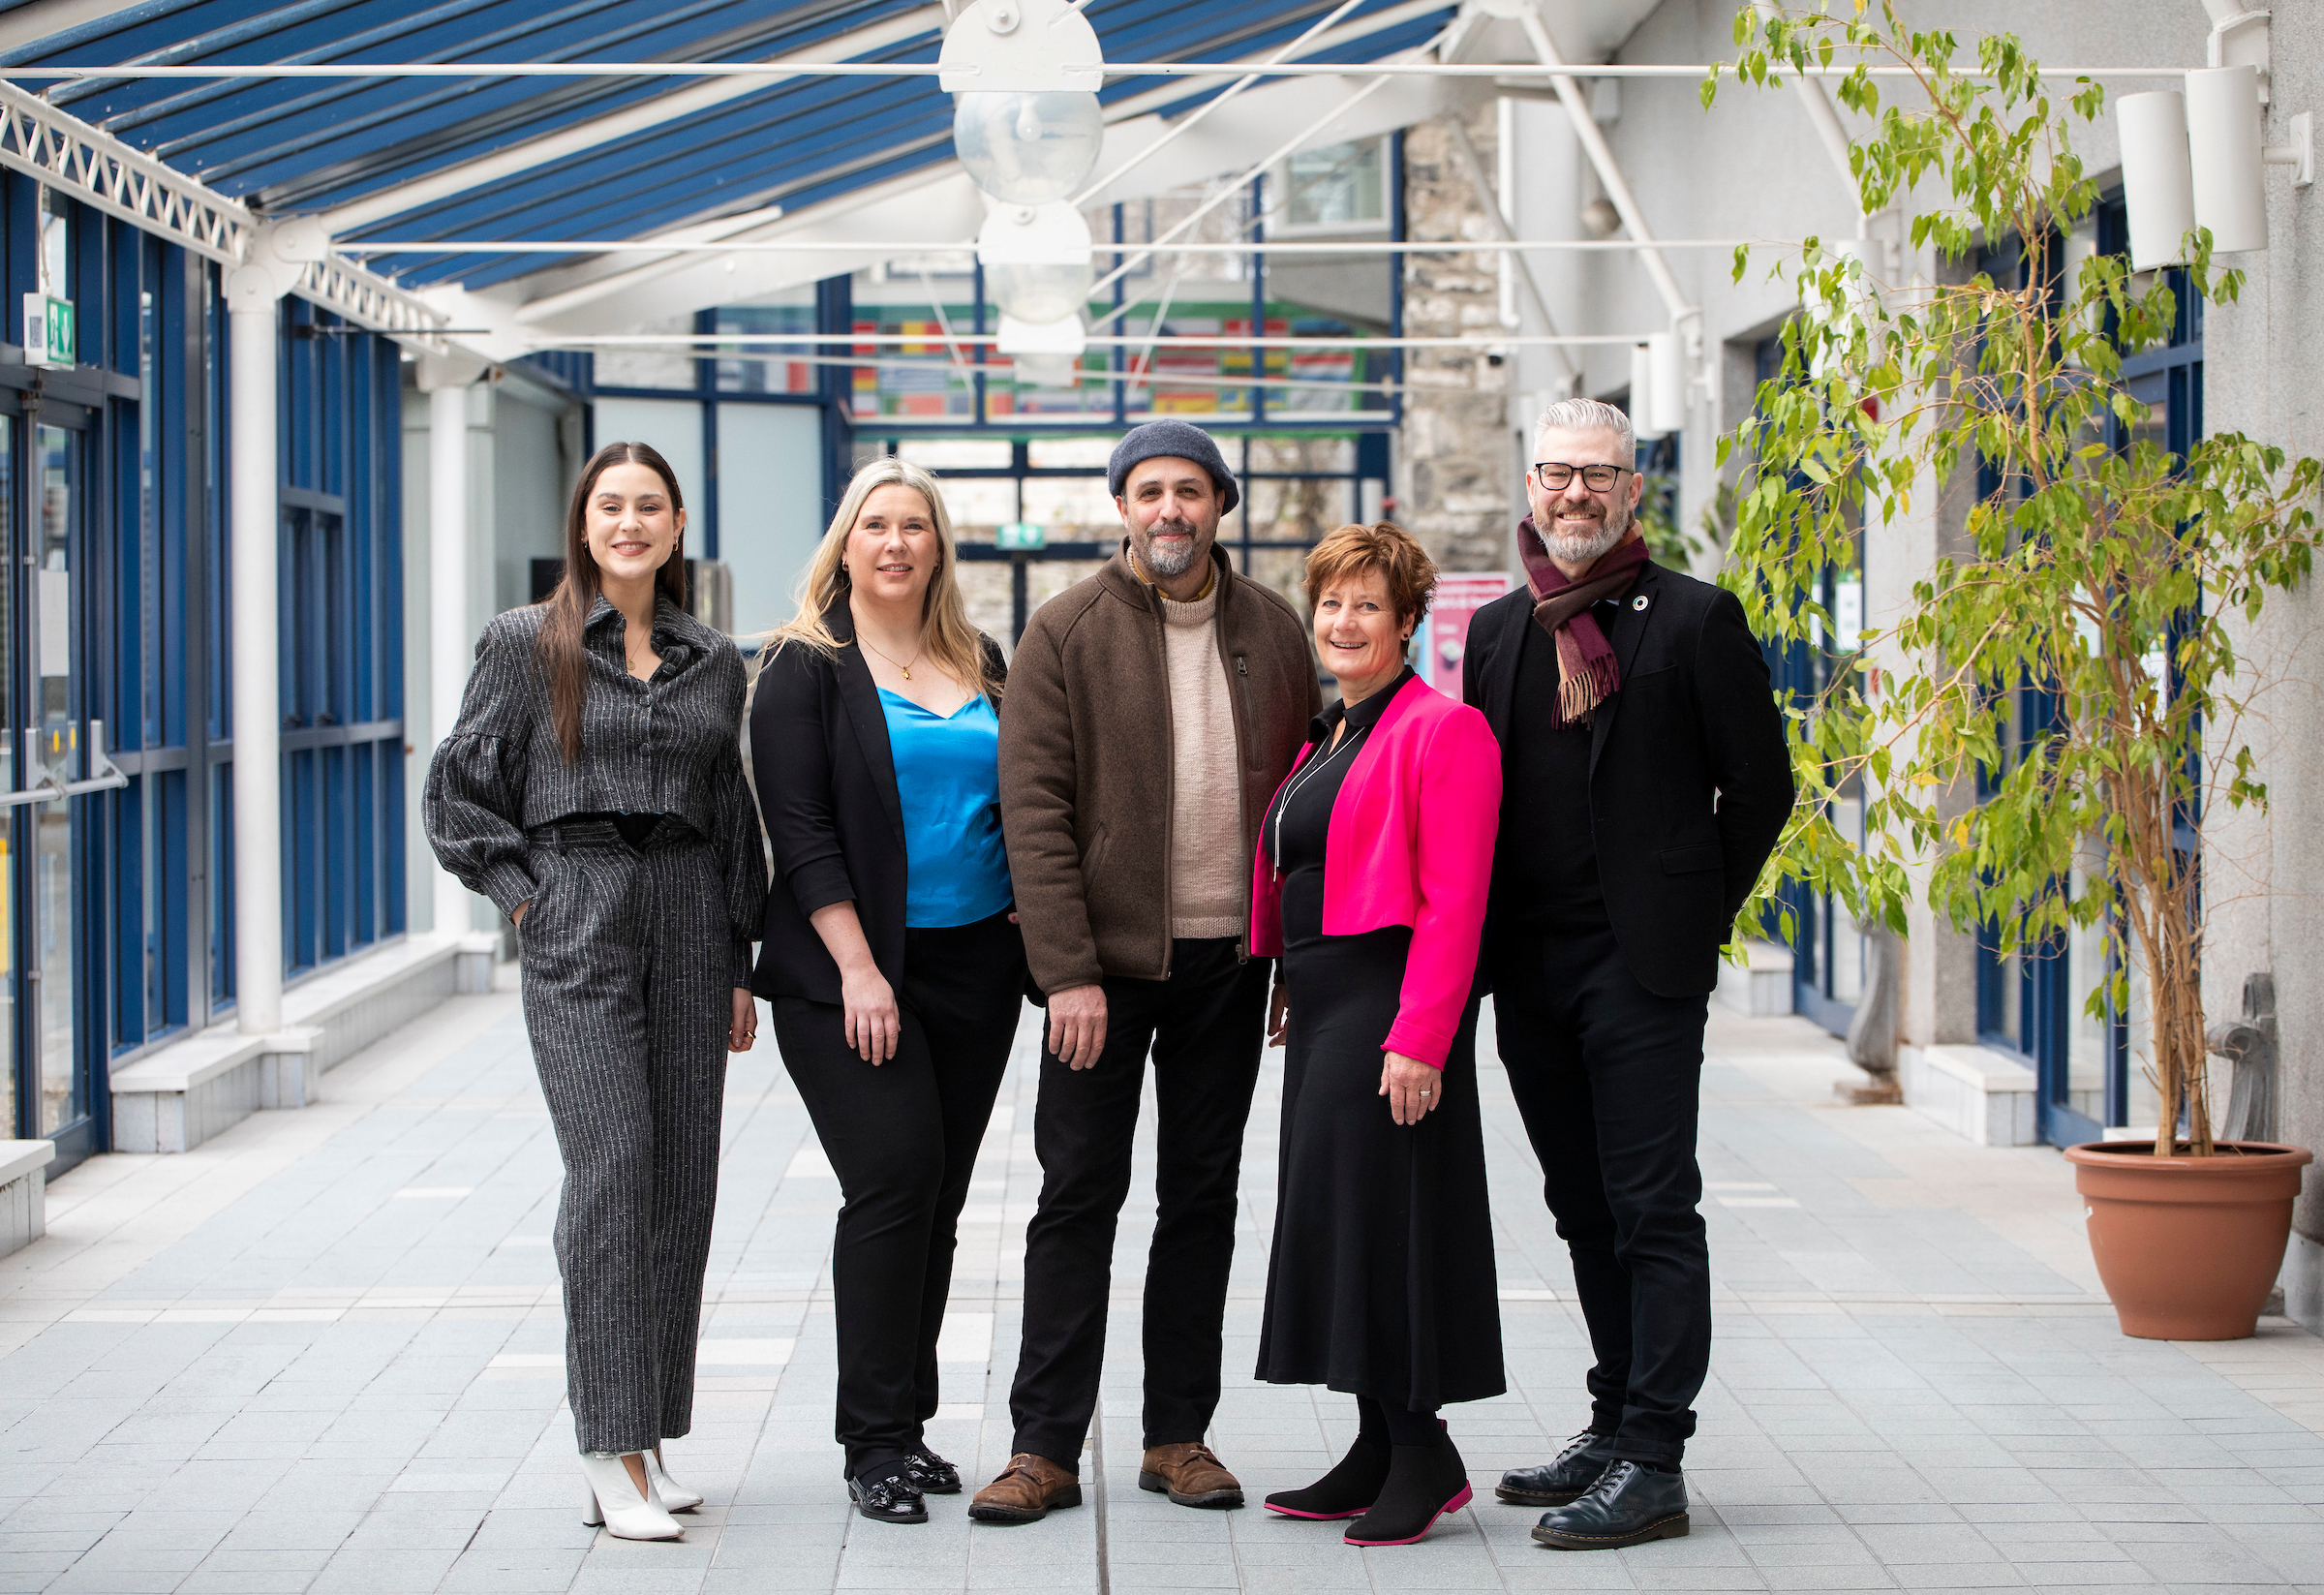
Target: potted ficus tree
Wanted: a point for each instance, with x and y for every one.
(2091, 564)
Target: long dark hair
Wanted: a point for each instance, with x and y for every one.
(562, 661)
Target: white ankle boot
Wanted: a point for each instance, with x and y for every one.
(674, 1496)
(614, 1500)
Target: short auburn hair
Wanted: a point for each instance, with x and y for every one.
(1388, 549)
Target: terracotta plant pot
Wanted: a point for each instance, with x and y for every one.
(2189, 1247)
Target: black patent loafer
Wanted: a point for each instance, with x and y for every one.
(1628, 1506)
(930, 1474)
(888, 1500)
(1553, 1484)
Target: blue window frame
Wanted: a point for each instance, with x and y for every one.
(1827, 950)
(118, 904)
(166, 642)
(340, 639)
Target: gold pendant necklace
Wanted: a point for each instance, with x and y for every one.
(906, 668)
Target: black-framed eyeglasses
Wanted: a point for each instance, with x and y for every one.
(1555, 475)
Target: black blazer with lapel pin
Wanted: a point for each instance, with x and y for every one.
(1690, 777)
(826, 779)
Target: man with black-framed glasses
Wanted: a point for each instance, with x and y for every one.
(1644, 780)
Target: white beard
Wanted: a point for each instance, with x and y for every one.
(1583, 547)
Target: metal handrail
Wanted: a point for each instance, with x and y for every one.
(47, 788)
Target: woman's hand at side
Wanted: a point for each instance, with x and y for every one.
(1278, 1016)
(744, 1028)
(868, 1001)
(870, 1004)
(1412, 1088)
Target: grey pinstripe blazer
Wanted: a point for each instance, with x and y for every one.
(669, 746)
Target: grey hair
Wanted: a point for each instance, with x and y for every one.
(1579, 415)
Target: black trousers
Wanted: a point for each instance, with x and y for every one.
(1609, 1078)
(1205, 1027)
(902, 1137)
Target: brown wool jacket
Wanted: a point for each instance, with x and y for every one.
(1086, 763)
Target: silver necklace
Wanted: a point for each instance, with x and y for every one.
(1298, 783)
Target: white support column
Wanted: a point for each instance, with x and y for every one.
(253, 302)
(451, 647)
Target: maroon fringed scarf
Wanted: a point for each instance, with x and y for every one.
(1586, 671)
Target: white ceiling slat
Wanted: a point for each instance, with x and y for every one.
(29, 24)
(929, 204)
(398, 198)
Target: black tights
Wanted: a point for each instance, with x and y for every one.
(1386, 1425)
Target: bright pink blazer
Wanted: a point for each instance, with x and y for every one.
(1410, 843)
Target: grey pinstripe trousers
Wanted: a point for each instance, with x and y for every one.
(628, 973)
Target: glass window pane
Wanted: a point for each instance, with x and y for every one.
(1339, 185)
(63, 1099)
(767, 529)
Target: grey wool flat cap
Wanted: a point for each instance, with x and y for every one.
(1172, 441)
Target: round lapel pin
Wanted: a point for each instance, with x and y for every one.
(1638, 602)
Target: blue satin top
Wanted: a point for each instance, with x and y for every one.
(948, 780)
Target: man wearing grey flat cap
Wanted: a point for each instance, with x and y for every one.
(1153, 711)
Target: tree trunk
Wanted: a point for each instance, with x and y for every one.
(2182, 1063)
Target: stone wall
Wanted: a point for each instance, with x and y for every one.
(1456, 486)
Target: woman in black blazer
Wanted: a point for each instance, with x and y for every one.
(890, 950)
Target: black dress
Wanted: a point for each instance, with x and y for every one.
(1381, 1280)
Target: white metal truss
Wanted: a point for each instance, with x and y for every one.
(370, 300)
(97, 169)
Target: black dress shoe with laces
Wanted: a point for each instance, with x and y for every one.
(930, 1474)
(1629, 1505)
(1553, 1484)
(888, 1500)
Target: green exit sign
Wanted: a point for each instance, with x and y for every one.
(1023, 537)
(48, 331)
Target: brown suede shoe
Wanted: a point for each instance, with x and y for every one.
(1189, 1475)
(1025, 1492)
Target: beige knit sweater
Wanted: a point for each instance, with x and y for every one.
(1207, 872)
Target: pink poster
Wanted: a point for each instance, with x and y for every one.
(1458, 595)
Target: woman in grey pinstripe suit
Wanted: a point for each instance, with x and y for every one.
(592, 789)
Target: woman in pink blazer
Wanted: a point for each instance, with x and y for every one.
(1370, 884)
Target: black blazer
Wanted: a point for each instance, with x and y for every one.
(1690, 777)
(826, 779)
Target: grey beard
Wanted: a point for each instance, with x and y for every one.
(1580, 548)
(1160, 564)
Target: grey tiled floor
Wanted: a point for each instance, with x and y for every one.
(321, 1354)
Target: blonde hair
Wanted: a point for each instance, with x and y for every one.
(953, 645)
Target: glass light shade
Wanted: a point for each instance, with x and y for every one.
(1039, 295)
(1027, 149)
(1047, 370)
